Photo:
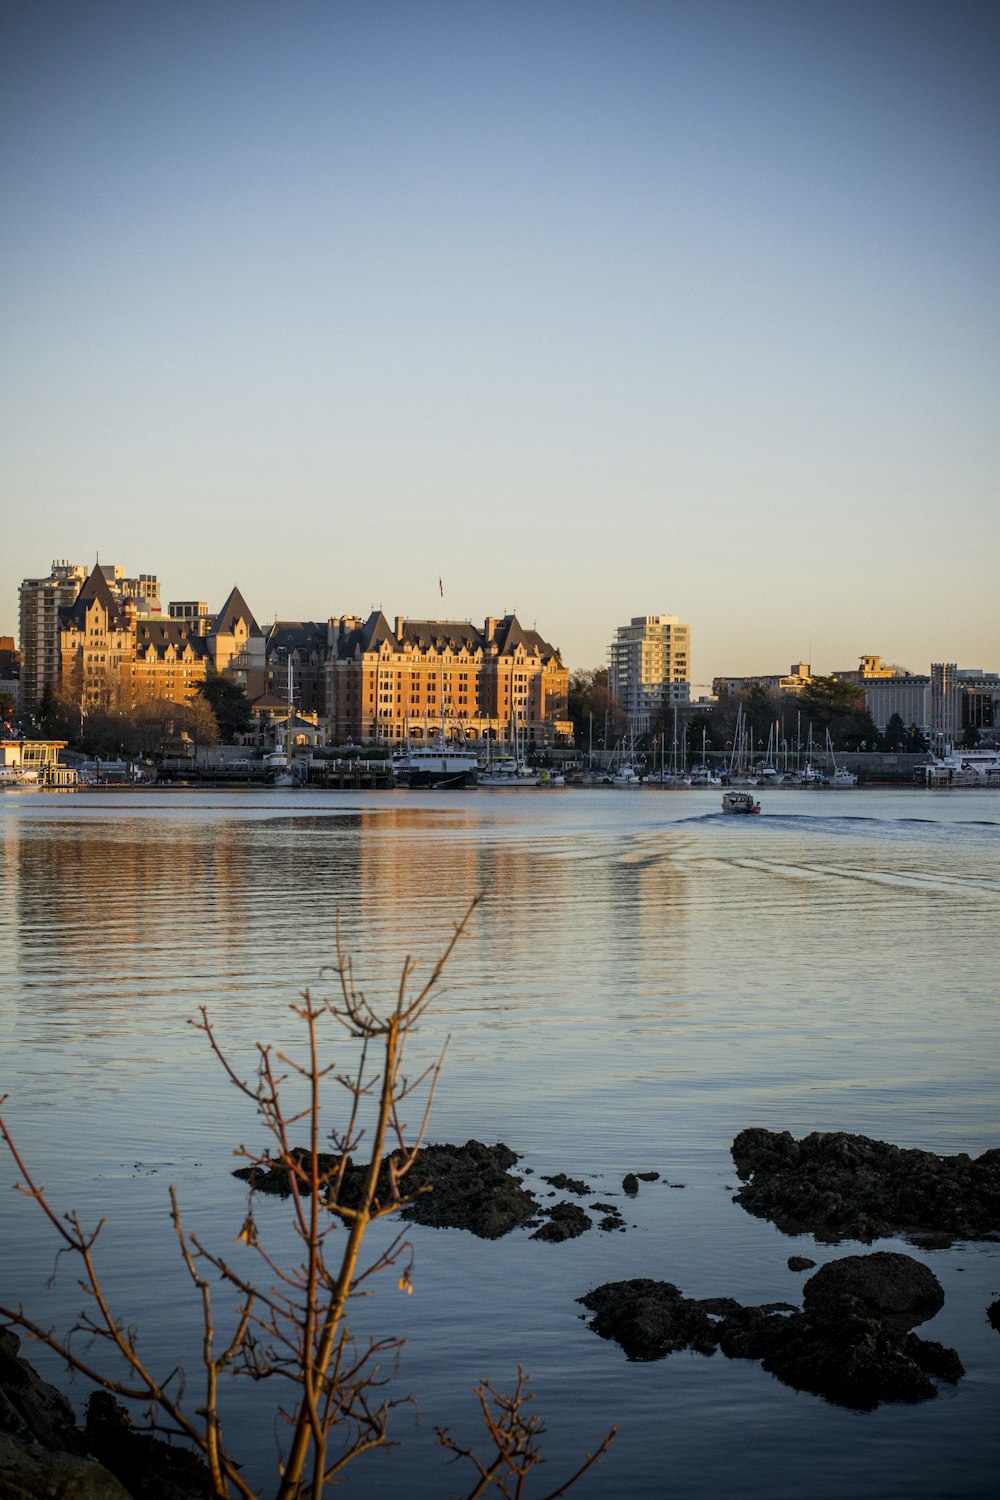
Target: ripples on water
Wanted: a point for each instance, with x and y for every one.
(644, 979)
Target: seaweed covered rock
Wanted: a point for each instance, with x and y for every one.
(847, 1186)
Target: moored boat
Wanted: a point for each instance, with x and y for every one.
(438, 764)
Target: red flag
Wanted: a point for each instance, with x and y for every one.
(441, 588)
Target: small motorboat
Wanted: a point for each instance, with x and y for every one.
(739, 802)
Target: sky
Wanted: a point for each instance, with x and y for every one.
(587, 310)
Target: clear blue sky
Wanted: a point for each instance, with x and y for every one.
(590, 309)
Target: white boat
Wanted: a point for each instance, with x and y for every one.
(623, 772)
(964, 768)
(18, 776)
(507, 772)
(439, 763)
(510, 768)
(739, 802)
(839, 776)
(279, 761)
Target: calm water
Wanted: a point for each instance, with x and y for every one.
(645, 978)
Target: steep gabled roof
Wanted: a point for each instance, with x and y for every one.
(234, 610)
(93, 588)
(442, 635)
(296, 635)
(375, 630)
(162, 634)
(510, 634)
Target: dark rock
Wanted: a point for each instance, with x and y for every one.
(30, 1407)
(800, 1263)
(649, 1318)
(568, 1184)
(43, 1453)
(470, 1187)
(30, 1472)
(453, 1187)
(841, 1186)
(145, 1464)
(993, 1314)
(605, 1208)
(610, 1222)
(630, 1184)
(648, 1176)
(935, 1358)
(852, 1360)
(894, 1287)
(565, 1222)
(838, 1347)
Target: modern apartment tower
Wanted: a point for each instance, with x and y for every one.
(40, 602)
(649, 665)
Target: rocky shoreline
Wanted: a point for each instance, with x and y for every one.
(838, 1186)
(469, 1187)
(44, 1453)
(851, 1342)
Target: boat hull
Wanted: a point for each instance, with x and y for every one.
(426, 777)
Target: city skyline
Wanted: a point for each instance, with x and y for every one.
(587, 311)
(164, 599)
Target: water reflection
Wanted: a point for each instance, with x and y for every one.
(643, 980)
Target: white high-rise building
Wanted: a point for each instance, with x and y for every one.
(649, 665)
(40, 602)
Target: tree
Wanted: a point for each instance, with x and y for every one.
(595, 712)
(894, 738)
(916, 741)
(826, 698)
(157, 720)
(228, 702)
(291, 1318)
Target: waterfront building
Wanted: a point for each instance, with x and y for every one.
(40, 600)
(236, 646)
(143, 591)
(306, 644)
(407, 680)
(168, 662)
(96, 642)
(114, 656)
(943, 704)
(10, 674)
(904, 694)
(979, 702)
(649, 666)
(795, 680)
(194, 613)
(871, 669)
